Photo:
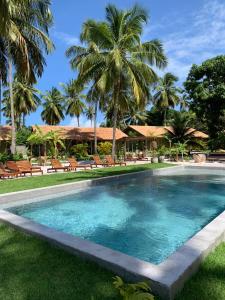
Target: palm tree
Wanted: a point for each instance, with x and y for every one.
(90, 113)
(73, 96)
(23, 38)
(166, 93)
(121, 55)
(53, 107)
(184, 101)
(135, 115)
(25, 98)
(38, 137)
(181, 132)
(55, 140)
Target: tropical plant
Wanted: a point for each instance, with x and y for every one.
(180, 130)
(135, 115)
(182, 149)
(133, 291)
(166, 94)
(53, 107)
(184, 101)
(55, 141)
(26, 100)
(104, 148)
(23, 38)
(80, 150)
(205, 86)
(90, 113)
(39, 138)
(22, 135)
(121, 56)
(73, 95)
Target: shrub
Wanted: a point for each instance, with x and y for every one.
(4, 157)
(133, 291)
(22, 135)
(80, 150)
(104, 148)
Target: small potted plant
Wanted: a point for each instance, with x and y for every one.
(162, 151)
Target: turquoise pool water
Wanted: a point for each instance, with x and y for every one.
(148, 218)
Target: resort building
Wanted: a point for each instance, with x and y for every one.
(140, 137)
(75, 135)
(134, 138)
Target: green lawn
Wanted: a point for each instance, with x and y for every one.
(209, 282)
(31, 269)
(13, 185)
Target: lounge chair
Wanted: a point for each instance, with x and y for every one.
(111, 162)
(56, 165)
(6, 174)
(130, 157)
(26, 167)
(98, 162)
(141, 156)
(12, 167)
(75, 165)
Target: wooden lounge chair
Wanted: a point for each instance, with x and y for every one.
(75, 165)
(56, 165)
(26, 167)
(6, 174)
(130, 157)
(141, 156)
(98, 162)
(12, 167)
(111, 162)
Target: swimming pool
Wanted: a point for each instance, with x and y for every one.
(147, 217)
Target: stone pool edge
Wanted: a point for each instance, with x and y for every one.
(166, 278)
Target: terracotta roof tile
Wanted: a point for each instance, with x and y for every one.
(159, 131)
(82, 133)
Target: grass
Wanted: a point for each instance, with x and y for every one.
(209, 282)
(14, 185)
(31, 269)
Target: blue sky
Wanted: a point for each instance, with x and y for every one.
(191, 31)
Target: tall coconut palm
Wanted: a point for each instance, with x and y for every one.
(53, 107)
(23, 39)
(122, 54)
(73, 97)
(26, 99)
(90, 113)
(135, 116)
(166, 95)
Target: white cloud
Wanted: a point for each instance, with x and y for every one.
(83, 122)
(66, 38)
(194, 38)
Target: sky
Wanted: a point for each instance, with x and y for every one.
(191, 32)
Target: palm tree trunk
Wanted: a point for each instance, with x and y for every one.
(165, 117)
(114, 130)
(0, 101)
(13, 131)
(95, 128)
(24, 120)
(78, 121)
(115, 113)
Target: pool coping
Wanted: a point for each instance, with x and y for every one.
(166, 279)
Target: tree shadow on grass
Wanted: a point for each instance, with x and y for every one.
(33, 269)
(209, 281)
